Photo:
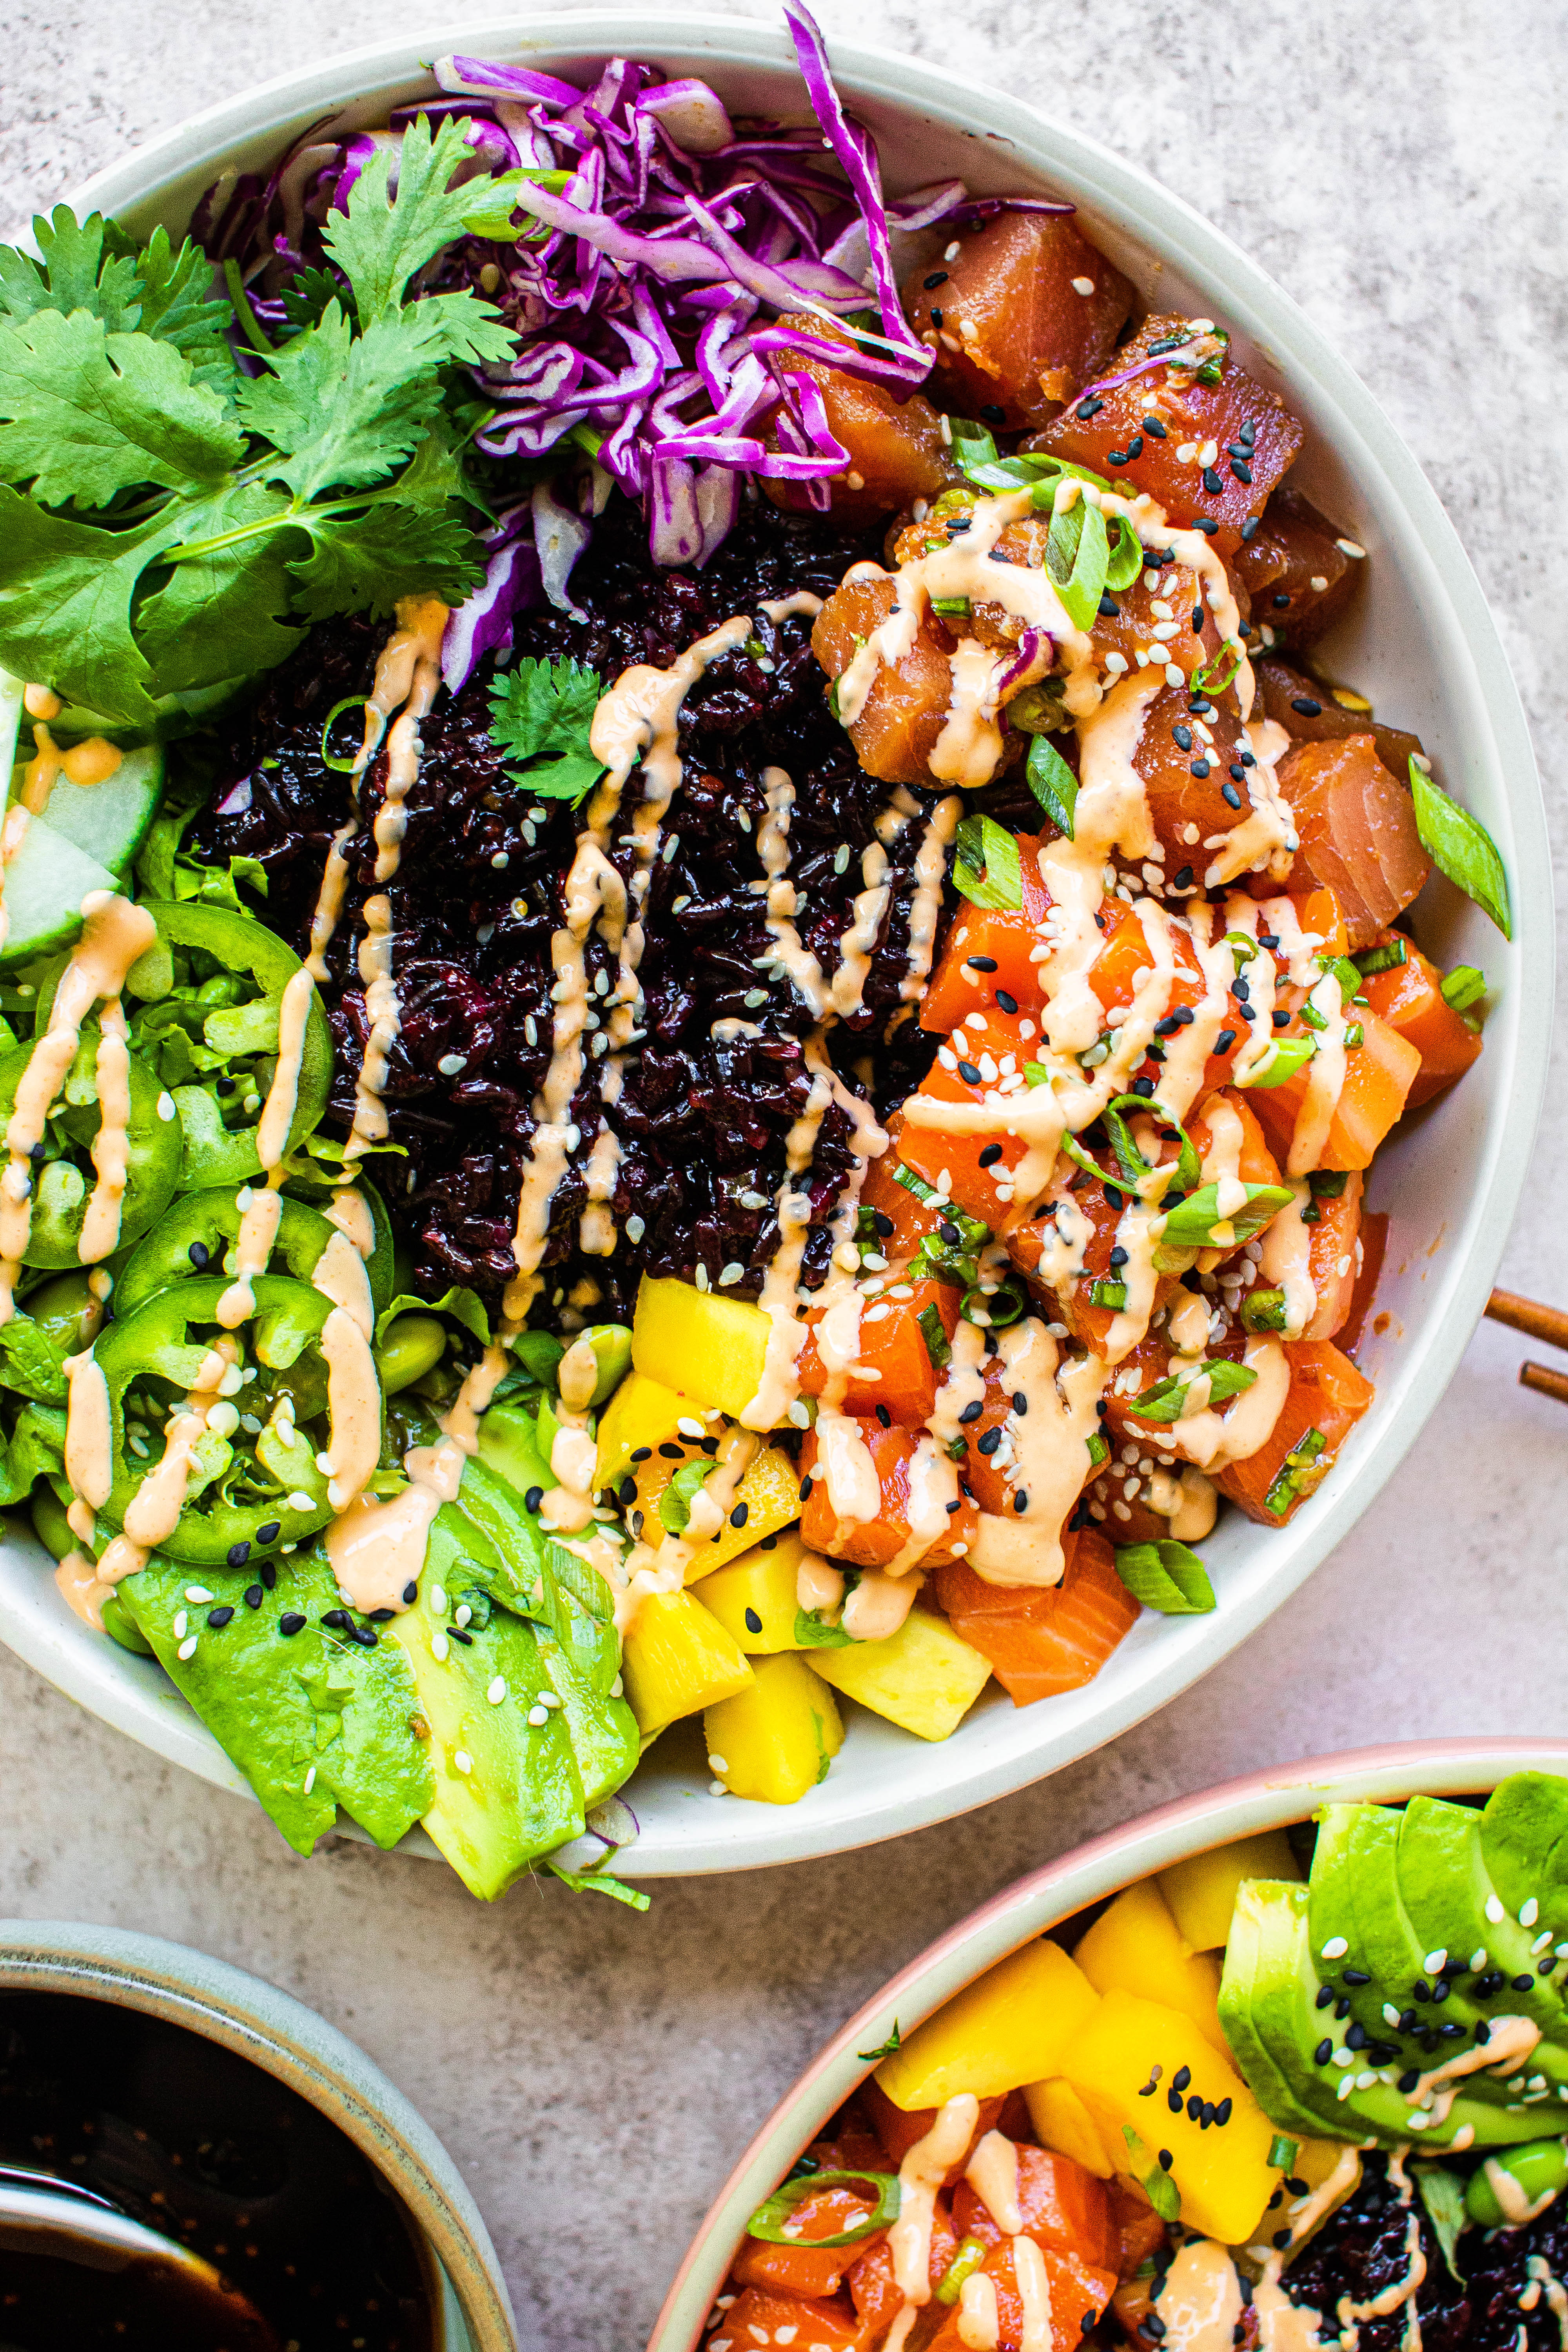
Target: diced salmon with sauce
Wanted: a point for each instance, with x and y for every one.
(896, 450)
(1327, 1396)
(1027, 310)
(1311, 713)
(904, 713)
(1295, 571)
(1356, 825)
(1043, 1640)
(1136, 433)
(1410, 999)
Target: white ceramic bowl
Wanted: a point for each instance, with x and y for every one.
(300, 2048)
(1264, 1800)
(1422, 645)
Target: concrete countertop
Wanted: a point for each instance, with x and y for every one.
(595, 2073)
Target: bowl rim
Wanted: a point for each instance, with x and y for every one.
(1270, 1798)
(1459, 635)
(298, 2047)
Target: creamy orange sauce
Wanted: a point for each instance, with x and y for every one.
(1199, 2302)
(375, 1551)
(283, 1092)
(353, 1408)
(260, 1215)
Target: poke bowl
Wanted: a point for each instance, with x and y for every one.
(683, 1242)
(1293, 2070)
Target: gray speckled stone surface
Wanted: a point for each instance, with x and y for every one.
(1400, 169)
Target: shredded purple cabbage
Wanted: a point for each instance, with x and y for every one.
(646, 289)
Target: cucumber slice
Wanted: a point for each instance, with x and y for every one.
(84, 840)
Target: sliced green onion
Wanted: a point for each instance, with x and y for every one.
(1038, 1074)
(1167, 1401)
(1313, 1017)
(1111, 1295)
(1000, 1306)
(1460, 846)
(1295, 1477)
(1242, 945)
(934, 1333)
(1053, 784)
(1285, 1059)
(768, 2221)
(1463, 987)
(1263, 1310)
(675, 1503)
(1282, 2153)
(331, 759)
(1156, 2182)
(1191, 1224)
(1165, 1576)
(985, 865)
(967, 2259)
(1386, 958)
(1078, 557)
(1212, 676)
(1189, 1166)
(1346, 973)
(1126, 556)
(1098, 1451)
(953, 607)
(915, 1185)
(1355, 1034)
(1092, 1056)
(1328, 1183)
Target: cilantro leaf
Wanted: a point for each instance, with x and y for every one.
(365, 562)
(223, 615)
(85, 413)
(307, 294)
(65, 591)
(343, 409)
(94, 265)
(382, 240)
(540, 715)
(178, 306)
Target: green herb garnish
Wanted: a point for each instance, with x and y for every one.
(1167, 1400)
(1165, 1576)
(985, 865)
(540, 713)
(1053, 784)
(1460, 846)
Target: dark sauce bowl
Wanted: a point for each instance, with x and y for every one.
(191, 2161)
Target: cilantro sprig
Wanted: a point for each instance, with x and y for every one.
(540, 715)
(168, 521)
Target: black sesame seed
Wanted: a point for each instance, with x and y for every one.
(1116, 457)
(1222, 2112)
(290, 1623)
(1242, 470)
(739, 1514)
(1118, 1257)
(1151, 425)
(1211, 482)
(969, 1074)
(972, 1411)
(238, 1554)
(1020, 1402)
(253, 1596)
(937, 278)
(1440, 1990)
(1168, 1027)
(533, 1499)
(381, 1616)
(411, 1591)
(805, 1488)
(981, 963)
(1249, 527)
(1184, 1015)
(1325, 1995)
(1020, 1501)
(1356, 2038)
(670, 1451)
(199, 1254)
(627, 1492)
(1281, 2237)
(458, 1635)
(217, 1618)
(1421, 1990)
(338, 1618)
(1135, 447)
(1173, 2101)
(1198, 620)
(990, 1441)
(642, 1454)
(1483, 2031)
(1200, 768)
(1229, 793)
(1323, 2053)
(1409, 2080)
(1184, 737)
(269, 1574)
(365, 1635)
(935, 317)
(1356, 1976)
(1222, 1044)
(1279, 600)
(1144, 1086)
(1297, 2187)
(990, 1155)
(223, 1086)
(754, 1622)
(1306, 706)
(1521, 1984)
(269, 1533)
(1408, 2020)
(769, 1543)
(1281, 1018)
(1089, 407)
(950, 1233)
(884, 1416)
(1185, 879)
(991, 413)
(1194, 2107)
(1206, 523)
(1342, 2008)
(1166, 2159)
(1113, 1199)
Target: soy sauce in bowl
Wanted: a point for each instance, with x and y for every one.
(302, 2244)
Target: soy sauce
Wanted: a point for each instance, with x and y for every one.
(311, 2247)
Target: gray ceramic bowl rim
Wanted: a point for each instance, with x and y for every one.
(289, 2041)
(1031, 1906)
(995, 1751)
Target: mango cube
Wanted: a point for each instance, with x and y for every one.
(775, 1739)
(676, 1660)
(769, 1492)
(922, 1678)
(1201, 1891)
(1062, 2121)
(759, 1585)
(1125, 2065)
(700, 1343)
(1136, 1946)
(1009, 2027)
(641, 1412)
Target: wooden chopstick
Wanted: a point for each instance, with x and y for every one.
(1548, 1323)
(1548, 1383)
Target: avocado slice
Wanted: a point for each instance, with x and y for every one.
(313, 1720)
(1269, 2007)
(506, 1790)
(1525, 1844)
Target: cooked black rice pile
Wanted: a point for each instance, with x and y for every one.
(1361, 2250)
(702, 1121)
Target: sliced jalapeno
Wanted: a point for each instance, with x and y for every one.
(194, 1233)
(255, 1484)
(63, 1175)
(318, 1191)
(205, 1004)
(769, 2220)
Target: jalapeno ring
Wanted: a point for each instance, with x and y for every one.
(196, 1230)
(63, 1178)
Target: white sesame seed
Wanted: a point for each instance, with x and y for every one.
(186, 1648)
(1335, 1948)
(1542, 1941)
(952, 251)
(688, 1427)
(181, 1621)
(440, 1648)
(450, 1064)
(717, 1789)
(1529, 1913)
(309, 1781)
(1495, 1911)
(501, 858)
(718, 1764)
(731, 1272)
(1390, 2014)
(1348, 546)
(462, 1759)
(1317, 583)
(1478, 1960)
(1084, 285)
(167, 1108)
(497, 1690)
(198, 1593)
(634, 1229)
(1435, 1962)
(538, 1715)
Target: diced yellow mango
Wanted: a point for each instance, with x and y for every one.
(641, 1412)
(1222, 2173)
(922, 1678)
(775, 1739)
(760, 1584)
(769, 1491)
(1201, 1891)
(1137, 1947)
(709, 1347)
(1062, 2121)
(1009, 2027)
(676, 1660)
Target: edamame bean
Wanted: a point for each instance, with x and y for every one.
(414, 1345)
(118, 1625)
(612, 1346)
(1511, 2184)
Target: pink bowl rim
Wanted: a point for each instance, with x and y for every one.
(1269, 1799)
